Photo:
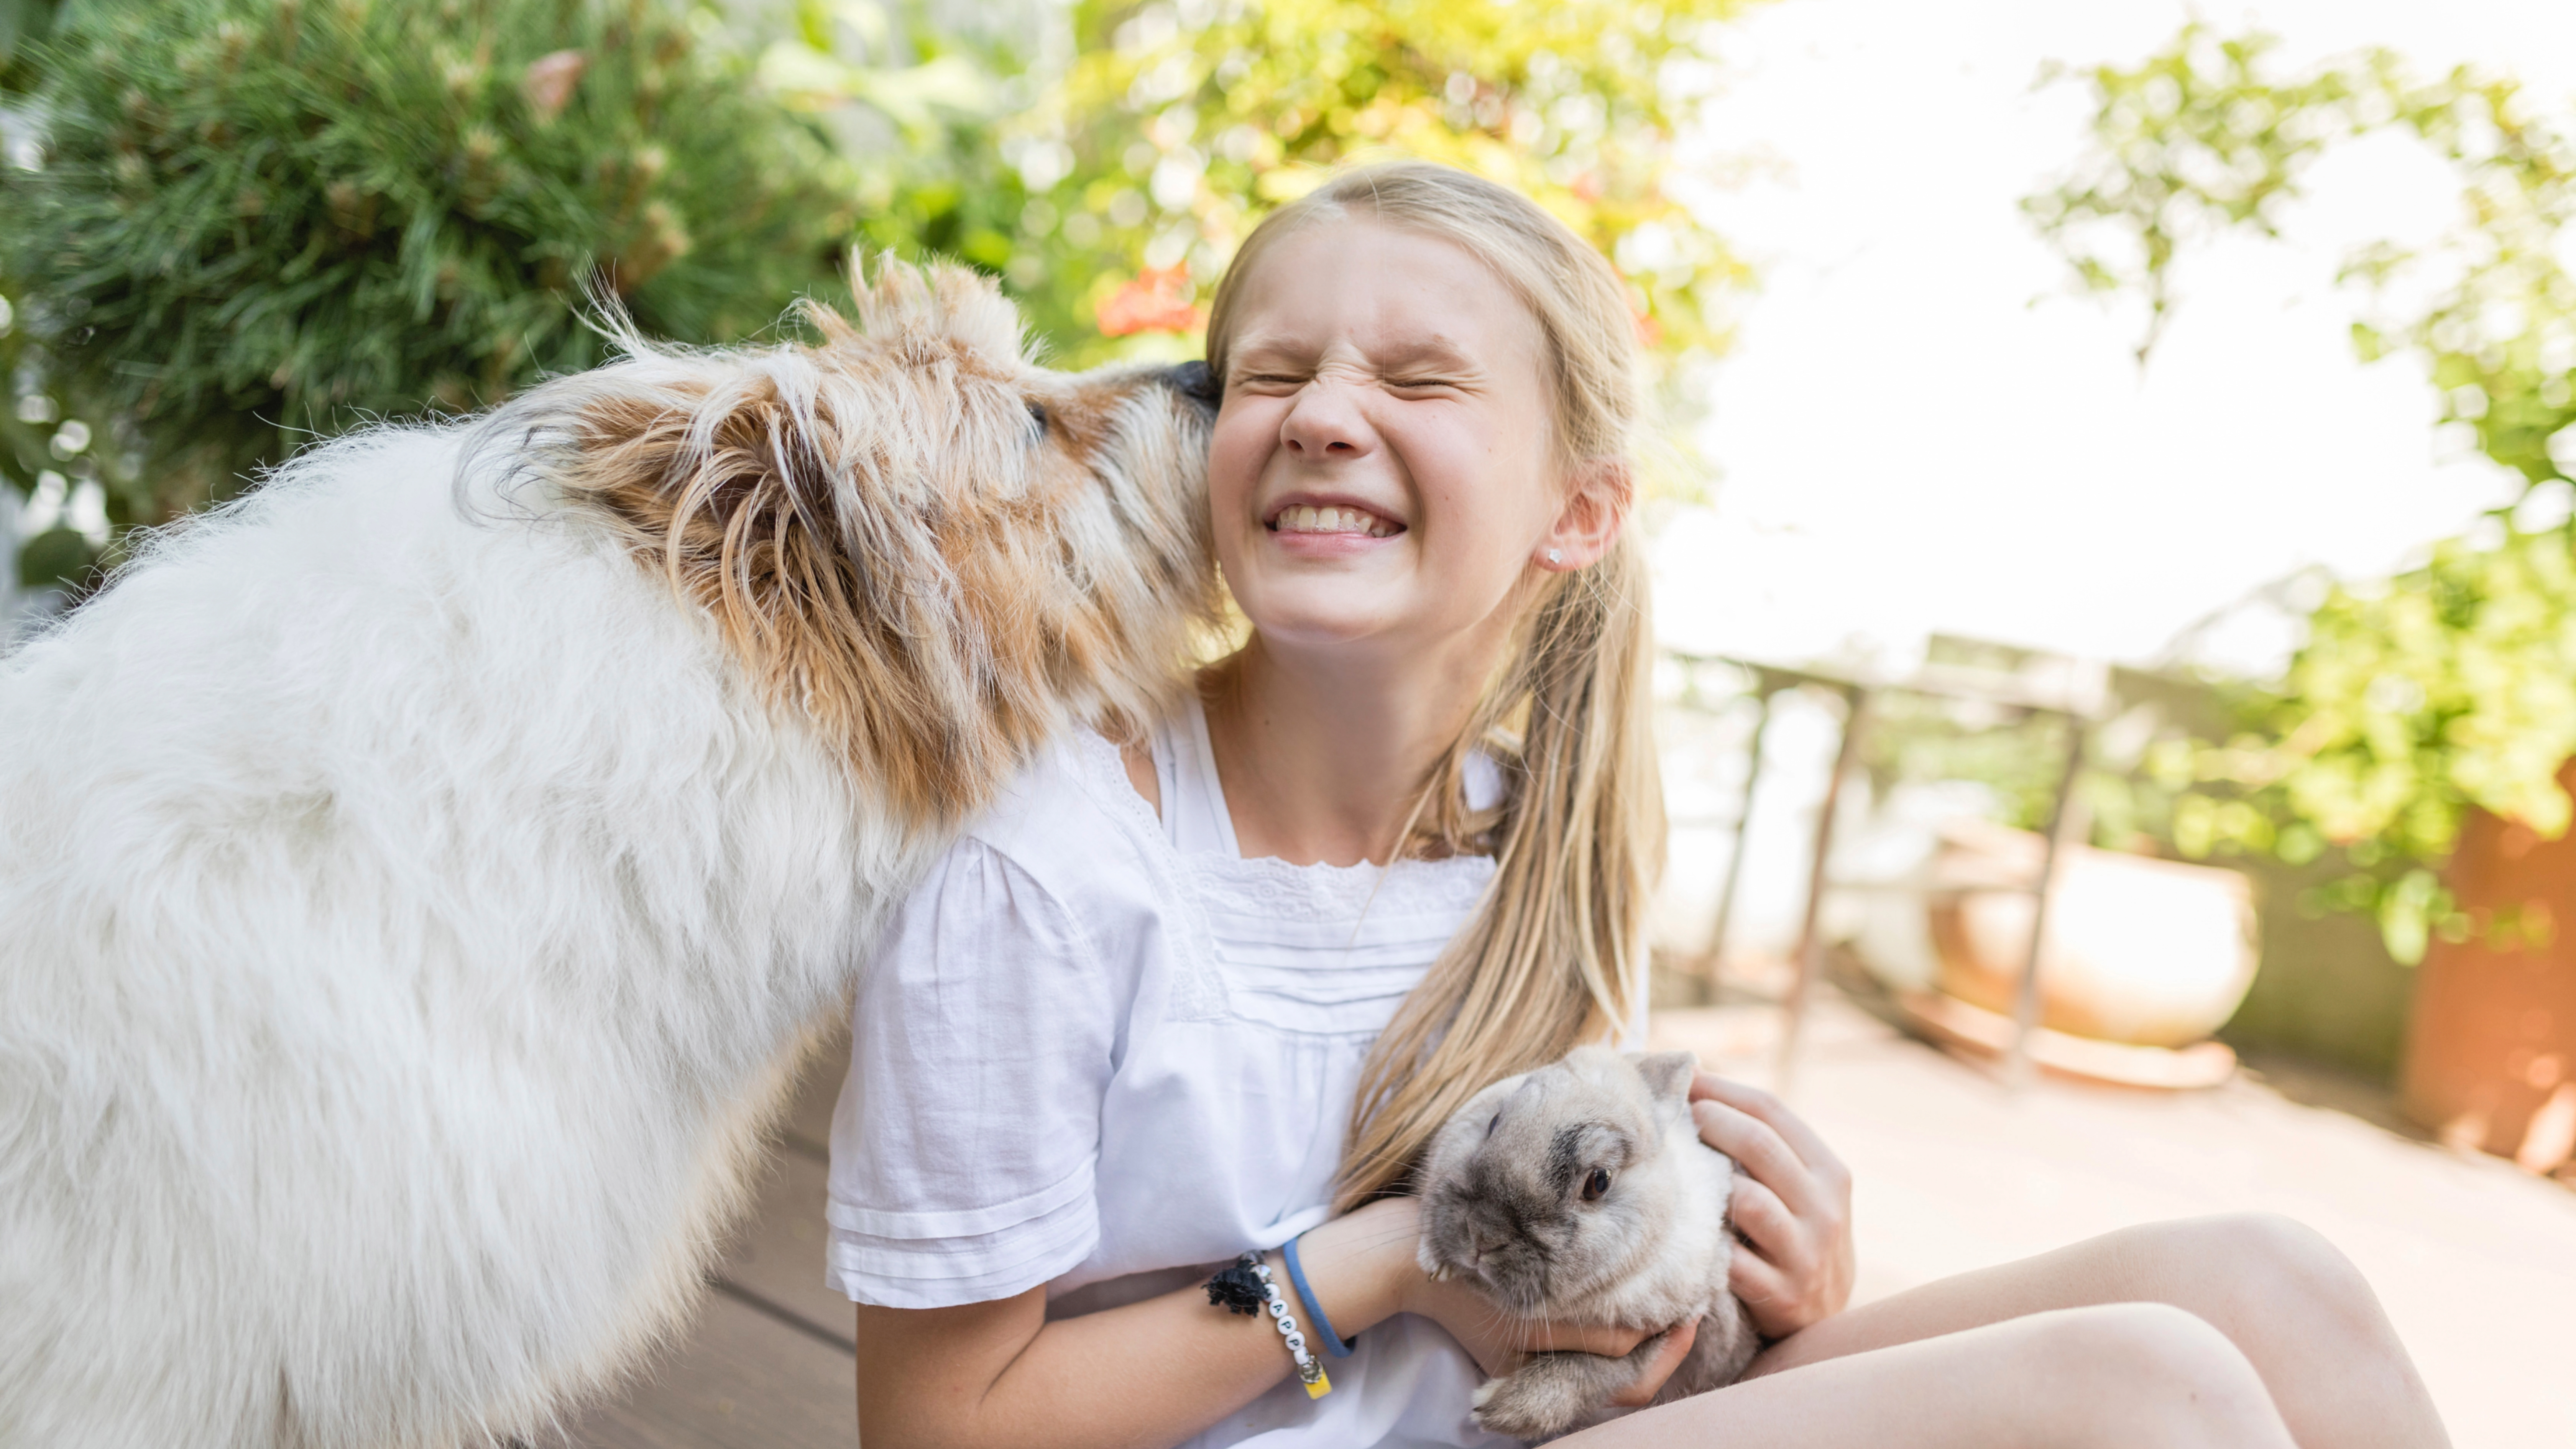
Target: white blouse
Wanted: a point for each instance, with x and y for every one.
(1102, 1051)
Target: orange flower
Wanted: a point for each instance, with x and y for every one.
(1650, 331)
(1159, 301)
(549, 82)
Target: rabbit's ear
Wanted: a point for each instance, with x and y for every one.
(1668, 1074)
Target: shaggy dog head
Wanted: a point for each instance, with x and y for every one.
(933, 550)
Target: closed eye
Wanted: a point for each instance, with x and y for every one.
(1038, 415)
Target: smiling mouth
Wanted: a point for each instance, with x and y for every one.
(1360, 521)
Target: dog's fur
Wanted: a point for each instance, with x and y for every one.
(416, 880)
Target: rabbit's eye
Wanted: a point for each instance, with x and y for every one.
(1497, 1122)
(1597, 1184)
(1038, 418)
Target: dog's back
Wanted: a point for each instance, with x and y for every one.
(416, 881)
(354, 809)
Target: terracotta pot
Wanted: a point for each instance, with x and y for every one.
(2491, 1042)
(2148, 952)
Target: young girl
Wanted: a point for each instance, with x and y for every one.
(1212, 994)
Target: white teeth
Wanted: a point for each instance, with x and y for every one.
(1305, 519)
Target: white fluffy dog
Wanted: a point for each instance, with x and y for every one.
(416, 880)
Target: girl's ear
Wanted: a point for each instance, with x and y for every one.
(1597, 504)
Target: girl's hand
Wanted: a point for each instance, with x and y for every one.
(1676, 1346)
(1365, 1264)
(1795, 1211)
(1498, 1341)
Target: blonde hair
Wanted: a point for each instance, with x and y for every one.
(1554, 955)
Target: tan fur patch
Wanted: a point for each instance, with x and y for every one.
(932, 550)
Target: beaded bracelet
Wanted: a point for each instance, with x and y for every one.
(1245, 1287)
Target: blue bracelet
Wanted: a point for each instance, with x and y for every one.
(1334, 1343)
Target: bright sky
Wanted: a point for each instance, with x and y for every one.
(1911, 445)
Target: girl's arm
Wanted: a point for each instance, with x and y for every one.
(1154, 1373)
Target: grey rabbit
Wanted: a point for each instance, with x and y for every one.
(1581, 1192)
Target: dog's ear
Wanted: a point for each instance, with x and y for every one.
(726, 480)
(930, 308)
(869, 549)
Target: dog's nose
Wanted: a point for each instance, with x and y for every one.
(1192, 380)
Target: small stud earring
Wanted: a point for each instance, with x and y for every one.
(1556, 555)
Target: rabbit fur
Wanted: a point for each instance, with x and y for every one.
(1581, 1192)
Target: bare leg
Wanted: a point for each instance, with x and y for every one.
(2295, 1307)
(2117, 1376)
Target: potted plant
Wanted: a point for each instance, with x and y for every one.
(2426, 727)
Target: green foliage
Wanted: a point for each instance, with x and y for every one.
(2201, 140)
(259, 219)
(63, 461)
(2019, 755)
(22, 24)
(1112, 194)
(2191, 144)
(1178, 126)
(256, 220)
(914, 95)
(2452, 685)
(1922, 737)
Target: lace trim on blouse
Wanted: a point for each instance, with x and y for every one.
(1281, 890)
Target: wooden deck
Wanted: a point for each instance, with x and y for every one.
(766, 1365)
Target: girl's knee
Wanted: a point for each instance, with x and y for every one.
(2149, 1357)
(2149, 1369)
(2293, 1248)
(2115, 1342)
(2274, 1264)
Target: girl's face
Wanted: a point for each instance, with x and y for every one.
(1384, 469)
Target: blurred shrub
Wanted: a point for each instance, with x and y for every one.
(1112, 191)
(1179, 125)
(914, 94)
(254, 220)
(2454, 684)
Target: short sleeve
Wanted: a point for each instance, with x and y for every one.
(982, 1043)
